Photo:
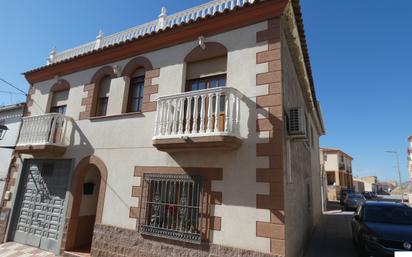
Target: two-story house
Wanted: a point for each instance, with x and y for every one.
(196, 134)
(338, 168)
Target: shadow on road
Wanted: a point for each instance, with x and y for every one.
(333, 235)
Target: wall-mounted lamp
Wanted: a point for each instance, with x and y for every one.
(201, 42)
(3, 130)
(117, 69)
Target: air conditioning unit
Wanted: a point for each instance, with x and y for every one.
(296, 124)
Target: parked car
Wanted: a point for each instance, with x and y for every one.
(352, 201)
(370, 195)
(381, 228)
(343, 194)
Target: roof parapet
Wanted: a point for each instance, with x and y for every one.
(198, 12)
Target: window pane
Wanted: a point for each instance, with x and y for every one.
(136, 94)
(193, 86)
(214, 83)
(201, 85)
(104, 88)
(102, 106)
(58, 109)
(222, 82)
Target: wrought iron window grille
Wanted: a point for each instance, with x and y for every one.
(171, 207)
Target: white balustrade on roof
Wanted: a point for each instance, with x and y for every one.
(163, 22)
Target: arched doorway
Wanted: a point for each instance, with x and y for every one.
(86, 205)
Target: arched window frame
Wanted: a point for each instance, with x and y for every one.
(211, 50)
(97, 79)
(59, 87)
(135, 88)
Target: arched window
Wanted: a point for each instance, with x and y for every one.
(136, 69)
(59, 102)
(205, 74)
(206, 67)
(103, 96)
(59, 97)
(135, 100)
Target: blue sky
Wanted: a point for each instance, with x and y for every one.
(360, 54)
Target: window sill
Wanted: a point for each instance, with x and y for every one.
(116, 116)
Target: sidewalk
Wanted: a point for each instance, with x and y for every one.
(11, 249)
(333, 236)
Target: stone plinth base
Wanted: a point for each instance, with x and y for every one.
(111, 241)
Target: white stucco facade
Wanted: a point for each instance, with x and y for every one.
(10, 116)
(125, 142)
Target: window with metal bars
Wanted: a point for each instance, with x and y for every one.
(171, 206)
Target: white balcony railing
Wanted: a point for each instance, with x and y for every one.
(164, 21)
(48, 129)
(208, 112)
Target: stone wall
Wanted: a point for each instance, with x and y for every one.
(111, 241)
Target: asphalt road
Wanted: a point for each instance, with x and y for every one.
(332, 237)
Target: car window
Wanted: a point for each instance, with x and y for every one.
(389, 214)
(356, 196)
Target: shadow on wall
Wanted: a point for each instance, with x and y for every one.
(83, 147)
(245, 198)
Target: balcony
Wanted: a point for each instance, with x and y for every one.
(43, 134)
(203, 119)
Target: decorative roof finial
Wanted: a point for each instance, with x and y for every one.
(52, 55)
(163, 12)
(162, 19)
(99, 40)
(100, 35)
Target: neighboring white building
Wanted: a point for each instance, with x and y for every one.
(371, 183)
(410, 163)
(338, 169)
(410, 157)
(196, 134)
(358, 185)
(10, 121)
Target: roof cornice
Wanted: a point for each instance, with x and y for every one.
(207, 26)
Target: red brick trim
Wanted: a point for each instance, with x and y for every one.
(209, 198)
(29, 101)
(270, 230)
(75, 197)
(134, 64)
(216, 223)
(149, 104)
(271, 107)
(216, 198)
(87, 102)
(101, 73)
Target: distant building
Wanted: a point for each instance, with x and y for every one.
(10, 120)
(371, 183)
(410, 157)
(338, 169)
(386, 186)
(358, 185)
